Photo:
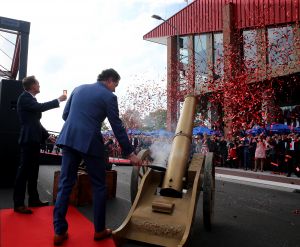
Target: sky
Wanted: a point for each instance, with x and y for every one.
(72, 41)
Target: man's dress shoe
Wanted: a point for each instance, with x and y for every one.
(22, 210)
(101, 235)
(60, 238)
(37, 203)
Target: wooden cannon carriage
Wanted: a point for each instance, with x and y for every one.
(164, 201)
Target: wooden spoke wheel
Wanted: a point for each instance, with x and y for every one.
(138, 172)
(208, 192)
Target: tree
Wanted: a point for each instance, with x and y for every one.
(155, 120)
(104, 126)
(131, 119)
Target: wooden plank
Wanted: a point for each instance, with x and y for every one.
(259, 18)
(271, 12)
(277, 11)
(212, 17)
(282, 11)
(289, 10)
(267, 12)
(250, 13)
(205, 15)
(201, 16)
(242, 15)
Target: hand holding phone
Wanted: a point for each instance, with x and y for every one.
(63, 97)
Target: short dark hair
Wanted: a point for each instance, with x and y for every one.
(28, 81)
(109, 73)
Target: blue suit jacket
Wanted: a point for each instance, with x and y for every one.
(86, 109)
(30, 113)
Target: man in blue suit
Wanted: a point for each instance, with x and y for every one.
(32, 134)
(81, 138)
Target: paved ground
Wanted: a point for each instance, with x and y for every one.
(247, 212)
(265, 179)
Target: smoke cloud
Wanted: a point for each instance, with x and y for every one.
(160, 151)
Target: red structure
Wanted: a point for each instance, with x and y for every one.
(230, 42)
(14, 33)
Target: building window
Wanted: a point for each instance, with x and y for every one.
(280, 46)
(184, 54)
(184, 62)
(200, 49)
(218, 56)
(250, 48)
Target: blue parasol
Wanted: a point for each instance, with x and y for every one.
(278, 128)
(133, 132)
(256, 130)
(200, 130)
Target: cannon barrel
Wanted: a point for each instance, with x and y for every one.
(180, 150)
(166, 219)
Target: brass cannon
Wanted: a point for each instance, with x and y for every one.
(164, 202)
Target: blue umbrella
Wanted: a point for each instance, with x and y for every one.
(134, 132)
(297, 130)
(107, 132)
(166, 133)
(161, 132)
(278, 129)
(256, 130)
(146, 133)
(200, 130)
(218, 133)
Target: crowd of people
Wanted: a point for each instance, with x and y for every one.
(50, 147)
(279, 153)
(139, 142)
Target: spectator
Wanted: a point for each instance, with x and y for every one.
(260, 154)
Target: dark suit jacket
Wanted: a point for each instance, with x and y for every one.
(86, 109)
(30, 113)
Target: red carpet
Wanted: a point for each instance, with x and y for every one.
(36, 230)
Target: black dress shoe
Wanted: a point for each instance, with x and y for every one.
(37, 203)
(60, 238)
(22, 210)
(102, 235)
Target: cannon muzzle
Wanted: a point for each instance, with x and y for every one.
(180, 150)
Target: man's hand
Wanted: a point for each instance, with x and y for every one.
(52, 139)
(136, 161)
(62, 97)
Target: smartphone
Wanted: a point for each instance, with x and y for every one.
(65, 92)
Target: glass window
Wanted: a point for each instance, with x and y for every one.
(184, 62)
(184, 54)
(200, 49)
(250, 48)
(218, 56)
(280, 45)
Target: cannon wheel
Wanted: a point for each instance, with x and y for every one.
(208, 192)
(138, 173)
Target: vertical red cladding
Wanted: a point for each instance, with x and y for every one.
(249, 13)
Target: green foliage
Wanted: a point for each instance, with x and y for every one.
(155, 120)
(104, 127)
(131, 119)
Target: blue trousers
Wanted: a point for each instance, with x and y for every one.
(68, 176)
(246, 159)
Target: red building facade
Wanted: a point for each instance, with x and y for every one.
(214, 42)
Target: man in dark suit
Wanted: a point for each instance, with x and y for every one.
(81, 138)
(32, 133)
